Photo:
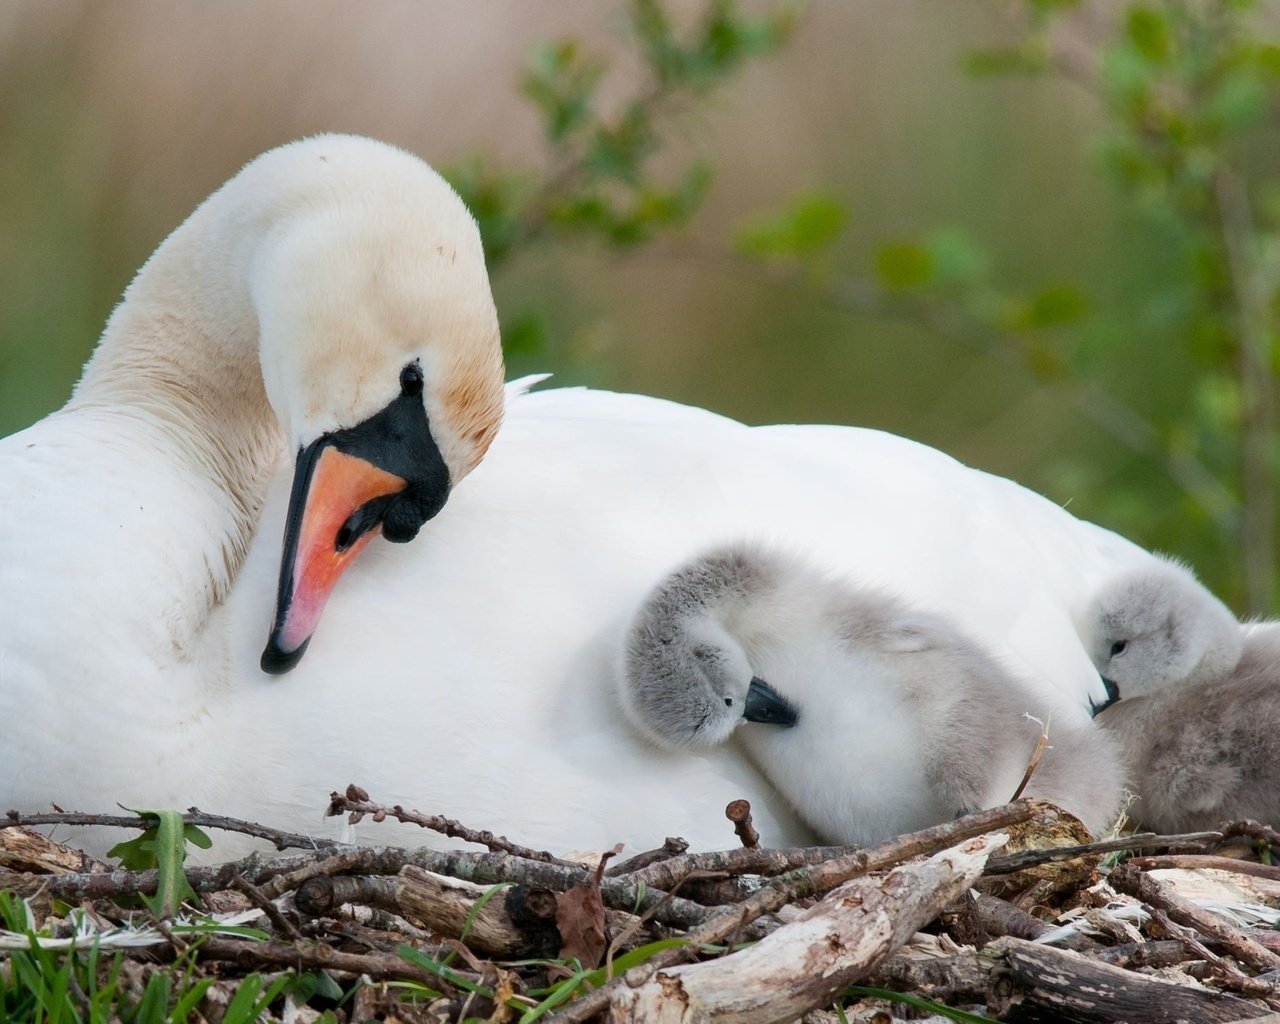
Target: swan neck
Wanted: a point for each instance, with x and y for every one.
(178, 369)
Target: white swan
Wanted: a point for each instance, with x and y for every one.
(873, 717)
(314, 355)
(1199, 709)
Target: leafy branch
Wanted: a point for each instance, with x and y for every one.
(600, 179)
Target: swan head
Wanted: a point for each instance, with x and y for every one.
(380, 354)
(1158, 626)
(686, 681)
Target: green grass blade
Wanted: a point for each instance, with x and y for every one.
(941, 1009)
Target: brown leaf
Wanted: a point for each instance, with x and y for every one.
(580, 918)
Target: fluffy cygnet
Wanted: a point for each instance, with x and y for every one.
(872, 717)
(1156, 626)
(1202, 736)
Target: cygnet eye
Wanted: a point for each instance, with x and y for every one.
(1118, 647)
(728, 702)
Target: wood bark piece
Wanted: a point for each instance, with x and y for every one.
(1034, 982)
(1127, 878)
(21, 849)
(805, 964)
(448, 906)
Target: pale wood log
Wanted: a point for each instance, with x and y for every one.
(449, 906)
(805, 964)
(22, 849)
(1032, 981)
(1021, 980)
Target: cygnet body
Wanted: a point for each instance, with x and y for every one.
(871, 716)
(1201, 732)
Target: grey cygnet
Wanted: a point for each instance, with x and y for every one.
(871, 716)
(1156, 626)
(1202, 735)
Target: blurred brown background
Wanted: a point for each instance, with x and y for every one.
(116, 119)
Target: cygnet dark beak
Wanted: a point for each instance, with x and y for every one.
(1113, 695)
(766, 705)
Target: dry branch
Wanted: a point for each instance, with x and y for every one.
(355, 803)
(1007, 864)
(805, 964)
(520, 922)
(1130, 879)
(739, 812)
(192, 816)
(1067, 986)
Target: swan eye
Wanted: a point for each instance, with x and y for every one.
(411, 379)
(1118, 647)
(728, 702)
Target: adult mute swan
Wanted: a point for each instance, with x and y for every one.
(873, 717)
(1199, 709)
(313, 358)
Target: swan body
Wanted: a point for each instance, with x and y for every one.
(1199, 710)
(311, 360)
(872, 716)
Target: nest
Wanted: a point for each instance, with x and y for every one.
(1012, 913)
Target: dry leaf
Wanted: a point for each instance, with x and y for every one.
(580, 918)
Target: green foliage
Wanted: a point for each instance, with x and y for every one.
(163, 846)
(809, 225)
(601, 182)
(88, 986)
(939, 1009)
(1188, 89)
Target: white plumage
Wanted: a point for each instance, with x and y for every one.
(466, 672)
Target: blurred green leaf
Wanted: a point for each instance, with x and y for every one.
(1148, 29)
(1239, 100)
(561, 82)
(903, 265)
(956, 259)
(1006, 60)
(811, 223)
(1056, 305)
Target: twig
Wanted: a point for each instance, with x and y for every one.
(1231, 975)
(192, 816)
(356, 804)
(1196, 862)
(1252, 829)
(1042, 744)
(757, 861)
(806, 963)
(1011, 862)
(813, 881)
(324, 894)
(739, 812)
(1160, 953)
(263, 903)
(672, 847)
(306, 955)
(1128, 878)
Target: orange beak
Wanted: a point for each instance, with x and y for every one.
(334, 511)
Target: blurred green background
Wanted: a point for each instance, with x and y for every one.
(982, 276)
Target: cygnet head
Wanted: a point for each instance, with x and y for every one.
(1158, 626)
(685, 680)
(362, 274)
